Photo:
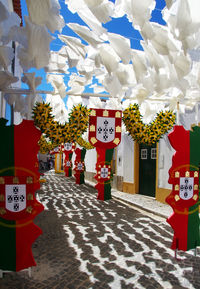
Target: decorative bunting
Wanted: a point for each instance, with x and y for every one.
(104, 173)
(80, 165)
(184, 198)
(19, 179)
(104, 134)
(105, 128)
(68, 150)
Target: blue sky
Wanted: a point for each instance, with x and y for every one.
(121, 26)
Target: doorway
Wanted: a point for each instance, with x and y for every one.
(147, 170)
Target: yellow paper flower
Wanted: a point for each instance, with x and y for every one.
(57, 133)
(147, 133)
(45, 146)
(84, 143)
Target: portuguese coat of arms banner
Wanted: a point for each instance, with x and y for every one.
(184, 198)
(80, 165)
(68, 150)
(19, 179)
(105, 135)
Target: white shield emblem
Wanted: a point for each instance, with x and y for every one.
(186, 188)
(104, 173)
(15, 197)
(80, 166)
(68, 146)
(68, 163)
(105, 129)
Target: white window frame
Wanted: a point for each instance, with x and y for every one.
(143, 155)
(153, 153)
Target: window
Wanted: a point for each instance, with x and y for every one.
(143, 154)
(153, 153)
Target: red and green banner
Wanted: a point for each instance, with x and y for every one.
(105, 135)
(68, 150)
(104, 173)
(80, 166)
(184, 198)
(19, 179)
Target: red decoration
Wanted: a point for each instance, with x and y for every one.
(26, 147)
(18, 198)
(104, 134)
(68, 150)
(184, 198)
(105, 128)
(19, 179)
(80, 165)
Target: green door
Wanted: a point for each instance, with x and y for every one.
(147, 170)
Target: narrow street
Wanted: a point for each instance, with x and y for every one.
(88, 243)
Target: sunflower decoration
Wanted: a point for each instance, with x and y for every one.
(67, 133)
(147, 133)
(61, 133)
(83, 143)
(42, 114)
(45, 146)
(56, 133)
(78, 119)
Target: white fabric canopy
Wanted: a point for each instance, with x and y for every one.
(57, 63)
(31, 80)
(46, 13)
(166, 68)
(6, 56)
(85, 33)
(58, 84)
(6, 78)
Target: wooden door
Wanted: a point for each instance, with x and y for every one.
(147, 170)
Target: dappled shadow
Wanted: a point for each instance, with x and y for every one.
(87, 243)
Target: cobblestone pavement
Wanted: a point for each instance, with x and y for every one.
(88, 243)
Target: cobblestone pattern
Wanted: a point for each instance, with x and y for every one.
(88, 243)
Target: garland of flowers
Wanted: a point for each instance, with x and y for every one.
(83, 143)
(45, 146)
(61, 133)
(147, 133)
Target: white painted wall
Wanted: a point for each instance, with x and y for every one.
(2, 105)
(90, 160)
(120, 159)
(165, 153)
(128, 158)
(125, 159)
